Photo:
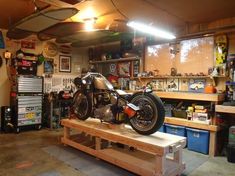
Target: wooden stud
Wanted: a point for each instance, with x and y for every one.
(97, 143)
(212, 143)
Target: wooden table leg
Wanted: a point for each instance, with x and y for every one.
(160, 165)
(66, 132)
(212, 145)
(97, 143)
(178, 156)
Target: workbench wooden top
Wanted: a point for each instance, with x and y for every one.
(156, 143)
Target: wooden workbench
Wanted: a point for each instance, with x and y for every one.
(149, 156)
(225, 109)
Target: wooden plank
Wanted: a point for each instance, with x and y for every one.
(190, 96)
(141, 164)
(115, 60)
(175, 77)
(192, 124)
(187, 95)
(79, 146)
(225, 109)
(212, 143)
(160, 165)
(126, 161)
(66, 132)
(158, 143)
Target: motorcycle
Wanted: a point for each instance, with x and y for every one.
(96, 97)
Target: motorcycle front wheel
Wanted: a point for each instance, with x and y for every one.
(81, 106)
(151, 115)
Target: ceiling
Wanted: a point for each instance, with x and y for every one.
(171, 15)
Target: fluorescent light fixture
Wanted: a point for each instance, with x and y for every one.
(150, 30)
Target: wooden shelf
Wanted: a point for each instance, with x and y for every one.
(186, 95)
(191, 124)
(225, 109)
(115, 60)
(183, 77)
(190, 96)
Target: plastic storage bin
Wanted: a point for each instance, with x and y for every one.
(231, 153)
(231, 136)
(198, 140)
(162, 129)
(176, 130)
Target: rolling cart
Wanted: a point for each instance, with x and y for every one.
(26, 101)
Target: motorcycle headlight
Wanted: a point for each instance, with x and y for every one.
(83, 81)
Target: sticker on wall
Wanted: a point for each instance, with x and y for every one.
(197, 85)
(159, 85)
(220, 49)
(2, 44)
(113, 69)
(124, 69)
(183, 85)
(173, 84)
(49, 66)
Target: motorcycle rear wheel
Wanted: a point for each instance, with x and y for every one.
(151, 115)
(81, 106)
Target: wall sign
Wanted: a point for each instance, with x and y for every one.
(27, 44)
(65, 63)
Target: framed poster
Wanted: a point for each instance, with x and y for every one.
(65, 63)
(172, 84)
(124, 69)
(183, 85)
(197, 85)
(48, 67)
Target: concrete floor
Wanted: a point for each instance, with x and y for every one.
(23, 155)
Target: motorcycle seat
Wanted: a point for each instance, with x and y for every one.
(124, 94)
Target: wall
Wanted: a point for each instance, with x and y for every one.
(201, 57)
(79, 57)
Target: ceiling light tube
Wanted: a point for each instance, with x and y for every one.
(150, 30)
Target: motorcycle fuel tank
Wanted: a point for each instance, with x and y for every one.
(102, 83)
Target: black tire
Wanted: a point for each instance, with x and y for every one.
(82, 110)
(151, 112)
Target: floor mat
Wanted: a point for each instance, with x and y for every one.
(91, 166)
(85, 163)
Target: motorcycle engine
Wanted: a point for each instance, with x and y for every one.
(106, 106)
(104, 113)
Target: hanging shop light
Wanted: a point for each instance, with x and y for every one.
(150, 30)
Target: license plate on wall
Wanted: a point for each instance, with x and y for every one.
(29, 115)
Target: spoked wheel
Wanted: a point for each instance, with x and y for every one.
(151, 115)
(81, 106)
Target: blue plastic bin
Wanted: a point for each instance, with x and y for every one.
(176, 130)
(162, 129)
(198, 140)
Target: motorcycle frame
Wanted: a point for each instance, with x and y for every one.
(90, 92)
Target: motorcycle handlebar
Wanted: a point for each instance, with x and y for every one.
(92, 74)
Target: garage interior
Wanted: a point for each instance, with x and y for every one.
(171, 63)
